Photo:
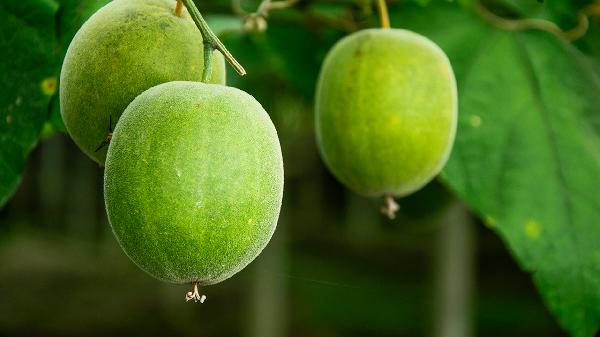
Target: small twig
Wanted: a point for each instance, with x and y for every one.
(210, 38)
(195, 295)
(384, 17)
(108, 136)
(592, 9)
(282, 4)
(257, 21)
(541, 24)
(346, 24)
(237, 9)
(264, 8)
(578, 31)
(390, 207)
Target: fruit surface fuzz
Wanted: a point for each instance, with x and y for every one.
(123, 49)
(386, 111)
(193, 181)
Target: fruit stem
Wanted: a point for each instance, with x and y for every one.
(384, 17)
(210, 38)
(179, 8)
(390, 206)
(195, 295)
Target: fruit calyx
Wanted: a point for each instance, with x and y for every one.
(390, 206)
(195, 295)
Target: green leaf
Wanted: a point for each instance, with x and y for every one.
(564, 13)
(54, 124)
(527, 153)
(29, 76)
(34, 36)
(527, 157)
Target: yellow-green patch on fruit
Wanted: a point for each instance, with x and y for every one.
(386, 111)
(193, 181)
(125, 48)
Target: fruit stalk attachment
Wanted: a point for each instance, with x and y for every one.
(195, 295)
(390, 206)
(211, 41)
(384, 17)
(179, 8)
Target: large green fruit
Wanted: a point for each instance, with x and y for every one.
(386, 111)
(125, 48)
(193, 181)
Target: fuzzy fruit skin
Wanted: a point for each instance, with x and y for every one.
(193, 181)
(386, 111)
(125, 48)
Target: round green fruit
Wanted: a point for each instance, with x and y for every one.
(386, 110)
(193, 181)
(125, 48)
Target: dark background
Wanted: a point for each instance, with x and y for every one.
(335, 266)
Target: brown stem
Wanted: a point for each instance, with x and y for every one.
(384, 17)
(179, 8)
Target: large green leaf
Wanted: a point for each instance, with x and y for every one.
(562, 12)
(527, 157)
(28, 75)
(527, 153)
(34, 36)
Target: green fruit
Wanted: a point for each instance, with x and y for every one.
(193, 181)
(125, 48)
(386, 110)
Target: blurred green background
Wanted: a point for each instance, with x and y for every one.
(335, 266)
